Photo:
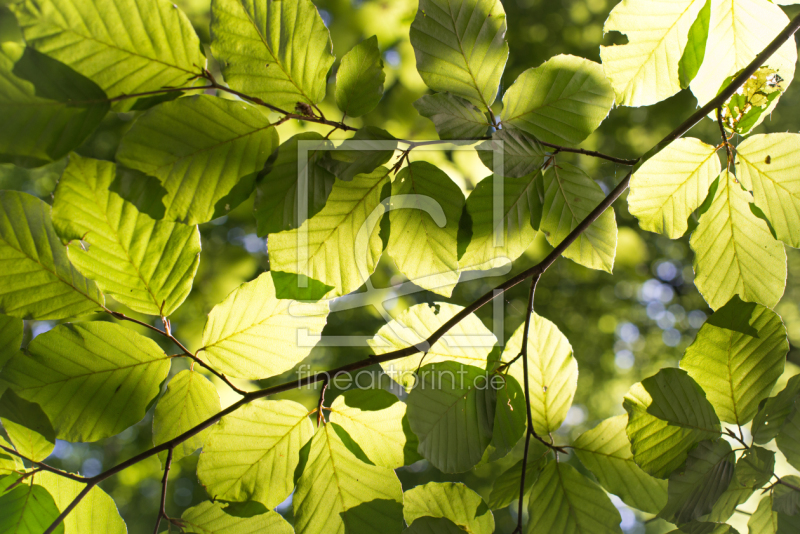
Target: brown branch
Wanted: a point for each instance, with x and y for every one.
(162, 511)
(45, 467)
(536, 270)
(592, 153)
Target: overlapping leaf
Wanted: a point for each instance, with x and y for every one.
(510, 418)
(668, 415)
(96, 512)
(369, 148)
(506, 487)
(199, 147)
(277, 51)
(606, 452)
(93, 379)
(335, 481)
(671, 185)
(449, 500)
(569, 196)
(359, 80)
(522, 154)
(253, 334)
(147, 265)
(26, 509)
(48, 109)
(552, 372)
(735, 253)
(788, 439)
(124, 46)
(27, 426)
(210, 518)
(190, 399)
(377, 421)
(562, 101)
(566, 502)
(433, 525)
(695, 50)
(452, 417)
(36, 278)
(646, 69)
(341, 245)
(9, 463)
(11, 331)
(772, 413)
(460, 47)
(753, 470)
(769, 166)
(469, 342)
(454, 117)
(425, 211)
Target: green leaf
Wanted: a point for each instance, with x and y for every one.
(552, 372)
(737, 357)
(359, 80)
(500, 236)
(350, 223)
(753, 470)
(705, 528)
(26, 509)
(454, 117)
(277, 51)
(190, 399)
(147, 265)
(606, 452)
(124, 46)
(252, 334)
(566, 502)
(119, 375)
(561, 101)
(695, 49)
(786, 500)
(668, 415)
(671, 185)
(460, 47)
(506, 487)
(252, 454)
(210, 518)
(646, 69)
(452, 417)
(522, 153)
(510, 421)
(37, 280)
(96, 512)
(730, 237)
(433, 525)
(425, 208)
(453, 501)
(742, 111)
(737, 32)
(693, 491)
(11, 331)
(48, 109)
(772, 412)
(369, 148)
(188, 143)
(335, 480)
(569, 196)
(788, 440)
(9, 463)
(469, 342)
(276, 199)
(764, 520)
(768, 167)
(377, 421)
(27, 426)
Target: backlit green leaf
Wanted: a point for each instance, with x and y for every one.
(147, 265)
(11, 331)
(199, 147)
(562, 101)
(735, 253)
(506, 486)
(569, 196)
(433, 525)
(668, 415)
(96, 512)
(36, 278)
(566, 502)
(210, 518)
(26, 509)
(460, 47)
(788, 439)
(190, 399)
(606, 452)
(449, 500)
(522, 153)
(454, 117)
(27, 426)
(253, 334)
(672, 184)
(773, 412)
(359, 80)
(93, 379)
(753, 470)
(252, 453)
(426, 206)
(124, 46)
(277, 51)
(451, 410)
(695, 49)
(369, 148)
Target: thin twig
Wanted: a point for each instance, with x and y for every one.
(725, 139)
(731, 433)
(535, 270)
(162, 511)
(592, 153)
(320, 416)
(45, 467)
